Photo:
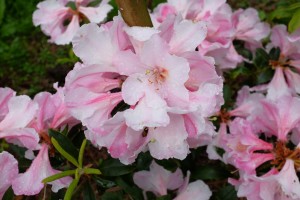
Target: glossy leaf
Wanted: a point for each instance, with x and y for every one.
(88, 192)
(64, 153)
(113, 167)
(132, 190)
(65, 143)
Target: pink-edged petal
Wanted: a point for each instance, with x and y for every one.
(47, 11)
(197, 190)
(9, 171)
(92, 109)
(24, 137)
(128, 63)
(92, 77)
(69, 32)
(96, 14)
(174, 89)
(158, 179)
(46, 110)
(170, 141)
(30, 182)
(293, 80)
(278, 86)
(151, 111)
(187, 36)
(154, 58)
(22, 111)
(288, 180)
(5, 95)
(93, 45)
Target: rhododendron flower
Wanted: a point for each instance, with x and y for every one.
(249, 28)
(283, 116)
(9, 171)
(286, 78)
(132, 97)
(30, 182)
(283, 185)
(53, 15)
(158, 180)
(243, 145)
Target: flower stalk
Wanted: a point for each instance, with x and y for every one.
(135, 12)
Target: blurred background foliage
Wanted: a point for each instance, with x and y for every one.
(29, 64)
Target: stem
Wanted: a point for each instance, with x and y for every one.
(135, 12)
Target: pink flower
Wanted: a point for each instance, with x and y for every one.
(249, 28)
(242, 146)
(282, 114)
(30, 182)
(151, 91)
(9, 171)
(158, 180)
(53, 14)
(274, 185)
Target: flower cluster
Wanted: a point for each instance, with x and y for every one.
(60, 19)
(224, 26)
(160, 89)
(141, 89)
(25, 122)
(263, 143)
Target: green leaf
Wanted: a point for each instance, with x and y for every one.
(71, 188)
(58, 176)
(143, 161)
(103, 182)
(2, 10)
(275, 53)
(265, 76)
(294, 24)
(65, 143)
(113, 167)
(210, 172)
(226, 193)
(9, 194)
(261, 58)
(81, 152)
(132, 190)
(169, 164)
(112, 196)
(165, 197)
(63, 152)
(88, 192)
(92, 171)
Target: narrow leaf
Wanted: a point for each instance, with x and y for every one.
(58, 176)
(81, 152)
(65, 143)
(63, 152)
(92, 171)
(70, 190)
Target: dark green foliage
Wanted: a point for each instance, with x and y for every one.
(113, 167)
